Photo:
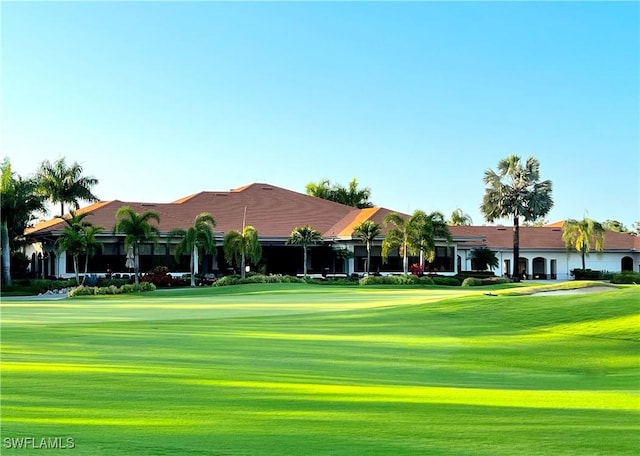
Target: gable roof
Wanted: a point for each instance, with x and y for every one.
(272, 210)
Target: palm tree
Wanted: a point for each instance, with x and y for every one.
(242, 245)
(582, 234)
(73, 240)
(430, 227)
(353, 196)
(137, 229)
(516, 191)
(65, 184)
(401, 236)
(304, 236)
(459, 218)
(350, 195)
(18, 201)
(484, 258)
(320, 190)
(197, 238)
(91, 244)
(368, 230)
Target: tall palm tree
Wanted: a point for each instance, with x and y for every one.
(582, 234)
(242, 245)
(198, 238)
(516, 191)
(368, 230)
(304, 236)
(460, 218)
(73, 240)
(401, 236)
(137, 229)
(65, 184)
(19, 199)
(430, 227)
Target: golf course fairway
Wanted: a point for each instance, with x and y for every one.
(299, 369)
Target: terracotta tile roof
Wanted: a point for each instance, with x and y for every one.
(272, 210)
(275, 211)
(501, 237)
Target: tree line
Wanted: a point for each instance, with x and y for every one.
(515, 190)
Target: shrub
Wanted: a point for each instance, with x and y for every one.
(115, 282)
(475, 274)
(341, 282)
(227, 280)
(160, 277)
(586, 274)
(257, 278)
(83, 290)
(416, 270)
(629, 277)
(443, 280)
(396, 280)
(472, 282)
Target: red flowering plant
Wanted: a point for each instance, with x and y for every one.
(416, 270)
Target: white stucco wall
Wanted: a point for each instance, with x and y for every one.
(565, 261)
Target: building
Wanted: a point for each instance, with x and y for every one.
(543, 254)
(275, 212)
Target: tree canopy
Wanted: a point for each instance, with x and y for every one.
(351, 195)
(460, 218)
(516, 190)
(304, 236)
(240, 246)
(65, 184)
(137, 229)
(197, 238)
(582, 235)
(19, 201)
(368, 230)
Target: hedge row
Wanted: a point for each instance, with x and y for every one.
(629, 277)
(369, 280)
(258, 278)
(112, 289)
(472, 282)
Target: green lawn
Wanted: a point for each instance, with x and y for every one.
(288, 369)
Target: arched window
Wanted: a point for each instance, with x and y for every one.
(626, 264)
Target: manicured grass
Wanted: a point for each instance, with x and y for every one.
(299, 369)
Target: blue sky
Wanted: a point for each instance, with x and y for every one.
(159, 100)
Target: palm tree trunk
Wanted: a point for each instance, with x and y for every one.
(304, 264)
(243, 265)
(86, 268)
(405, 259)
(136, 263)
(192, 267)
(368, 257)
(516, 248)
(75, 269)
(584, 263)
(6, 255)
